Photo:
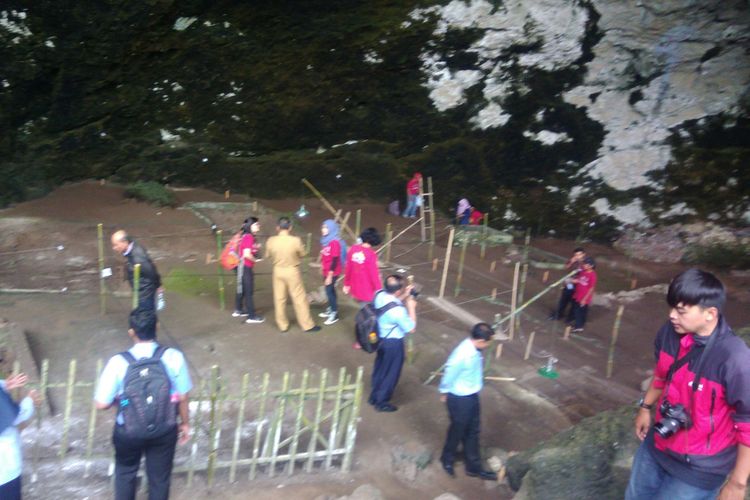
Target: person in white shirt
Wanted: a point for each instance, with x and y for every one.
(13, 415)
(459, 389)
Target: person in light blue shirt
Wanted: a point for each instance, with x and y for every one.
(459, 389)
(13, 415)
(393, 325)
(159, 450)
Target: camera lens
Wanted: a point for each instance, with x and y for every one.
(667, 427)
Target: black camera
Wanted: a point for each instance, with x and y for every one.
(674, 418)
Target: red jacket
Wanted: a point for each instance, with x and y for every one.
(412, 187)
(719, 409)
(361, 273)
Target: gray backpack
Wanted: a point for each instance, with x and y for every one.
(145, 404)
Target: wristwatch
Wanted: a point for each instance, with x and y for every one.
(642, 403)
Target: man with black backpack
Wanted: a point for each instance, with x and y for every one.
(149, 384)
(393, 325)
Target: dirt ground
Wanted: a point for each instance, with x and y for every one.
(515, 415)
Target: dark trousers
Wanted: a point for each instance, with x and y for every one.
(331, 294)
(159, 457)
(464, 429)
(147, 299)
(566, 297)
(245, 288)
(11, 490)
(580, 312)
(387, 370)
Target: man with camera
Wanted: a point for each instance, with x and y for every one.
(700, 445)
(393, 326)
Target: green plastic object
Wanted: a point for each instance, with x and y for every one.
(544, 372)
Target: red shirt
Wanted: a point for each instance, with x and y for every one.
(247, 241)
(327, 254)
(585, 283)
(412, 187)
(362, 273)
(475, 219)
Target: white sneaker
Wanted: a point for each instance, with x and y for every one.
(325, 314)
(237, 314)
(331, 319)
(255, 319)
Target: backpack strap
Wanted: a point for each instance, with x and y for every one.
(128, 357)
(158, 353)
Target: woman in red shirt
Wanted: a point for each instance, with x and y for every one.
(361, 273)
(412, 196)
(248, 251)
(332, 255)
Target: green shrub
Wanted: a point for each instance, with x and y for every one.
(151, 192)
(722, 256)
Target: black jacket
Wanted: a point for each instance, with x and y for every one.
(149, 279)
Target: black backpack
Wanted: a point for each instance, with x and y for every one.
(366, 327)
(145, 404)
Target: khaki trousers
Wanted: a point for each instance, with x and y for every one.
(288, 280)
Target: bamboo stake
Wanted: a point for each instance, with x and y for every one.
(346, 218)
(278, 427)
(447, 262)
(297, 424)
(615, 334)
(528, 346)
(514, 301)
(259, 428)
(219, 245)
(68, 408)
(316, 423)
(432, 213)
(213, 396)
(358, 223)
(633, 283)
(102, 287)
(136, 284)
(335, 418)
(434, 265)
(493, 264)
(197, 418)
(485, 225)
(92, 423)
(328, 206)
(422, 228)
(388, 238)
(494, 293)
(460, 276)
(43, 393)
(501, 379)
(522, 290)
(499, 351)
(545, 277)
(351, 428)
(244, 393)
(526, 244)
(226, 194)
(255, 207)
(566, 333)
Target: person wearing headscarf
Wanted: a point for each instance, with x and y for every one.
(332, 259)
(463, 211)
(412, 196)
(12, 415)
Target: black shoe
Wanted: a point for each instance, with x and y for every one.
(552, 317)
(314, 329)
(386, 407)
(483, 474)
(448, 468)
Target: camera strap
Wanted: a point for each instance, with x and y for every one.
(697, 351)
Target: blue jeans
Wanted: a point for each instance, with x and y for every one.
(649, 481)
(411, 207)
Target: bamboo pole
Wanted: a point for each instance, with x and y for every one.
(633, 283)
(358, 223)
(529, 344)
(388, 238)
(308, 246)
(351, 427)
(394, 238)
(136, 284)
(509, 316)
(566, 333)
(522, 290)
(92, 423)
(526, 245)
(316, 423)
(213, 397)
(346, 218)
(43, 394)
(460, 276)
(335, 418)
(493, 264)
(259, 428)
(328, 206)
(448, 250)
(499, 351)
(68, 408)
(514, 300)
(219, 245)
(297, 424)
(432, 213)
(545, 277)
(278, 427)
(434, 265)
(102, 286)
(485, 225)
(493, 296)
(244, 394)
(615, 334)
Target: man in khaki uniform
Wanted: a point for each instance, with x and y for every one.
(285, 252)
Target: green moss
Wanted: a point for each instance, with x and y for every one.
(189, 282)
(727, 256)
(151, 192)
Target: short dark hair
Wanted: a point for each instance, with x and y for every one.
(370, 236)
(696, 288)
(482, 331)
(143, 323)
(579, 249)
(248, 222)
(284, 223)
(590, 261)
(394, 283)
